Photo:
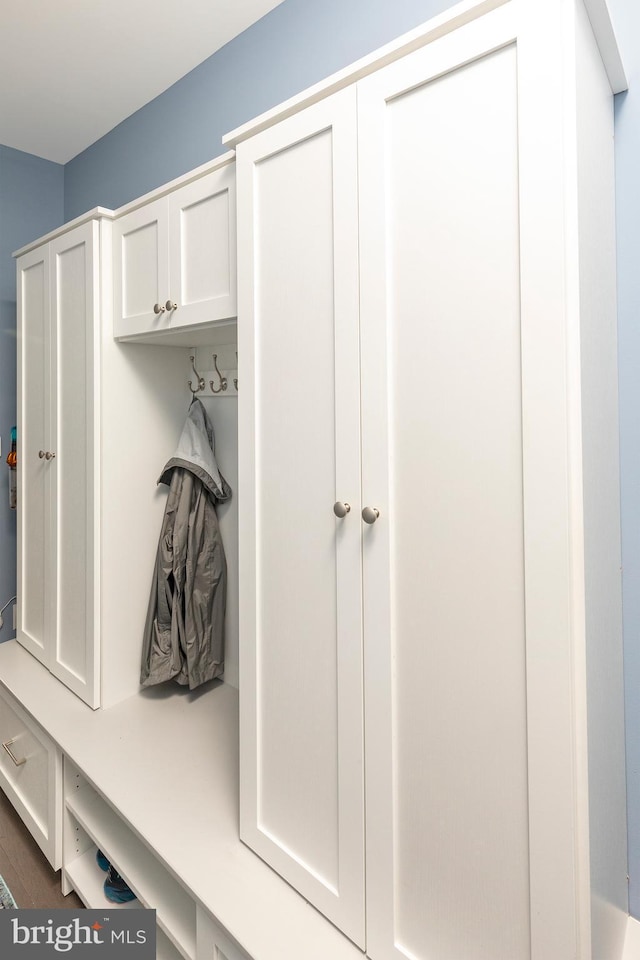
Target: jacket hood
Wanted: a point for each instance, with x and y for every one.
(196, 452)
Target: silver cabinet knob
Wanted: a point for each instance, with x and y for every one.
(370, 514)
(158, 308)
(341, 509)
(49, 456)
(170, 305)
(41, 454)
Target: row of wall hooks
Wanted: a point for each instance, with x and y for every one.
(220, 382)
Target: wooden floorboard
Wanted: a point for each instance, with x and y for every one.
(25, 868)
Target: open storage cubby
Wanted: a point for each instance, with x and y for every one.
(90, 823)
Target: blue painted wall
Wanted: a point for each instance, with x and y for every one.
(31, 204)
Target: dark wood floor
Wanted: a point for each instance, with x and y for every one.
(25, 868)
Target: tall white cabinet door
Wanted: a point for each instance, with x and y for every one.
(141, 270)
(34, 540)
(74, 655)
(300, 565)
(445, 681)
(202, 249)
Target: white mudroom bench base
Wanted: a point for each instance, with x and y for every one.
(164, 768)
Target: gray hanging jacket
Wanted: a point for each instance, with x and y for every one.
(184, 631)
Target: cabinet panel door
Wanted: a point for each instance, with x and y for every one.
(202, 249)
(141, 270)
(300, 566)
(75, 387)
(34, 541)
(445, 682)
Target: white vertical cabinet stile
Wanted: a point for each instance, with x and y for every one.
(488, 833)
(58, 310)
(34, 379)
(301, 705)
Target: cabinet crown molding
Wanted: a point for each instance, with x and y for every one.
(97, 213)
(104, 213)
(436, 27)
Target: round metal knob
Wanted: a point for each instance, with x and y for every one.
(170, 305)
(158, 308)
(370, 514)
(41, 454)
(341, 509)
(49, 456)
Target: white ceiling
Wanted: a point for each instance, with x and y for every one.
(70, 70)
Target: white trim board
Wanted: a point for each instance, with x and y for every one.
(603, 29)
(632, 940)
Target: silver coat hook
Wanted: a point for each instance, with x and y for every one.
(223, 380)
(200, 379)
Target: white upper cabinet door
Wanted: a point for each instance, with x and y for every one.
(445, 669)
(73, 475)
(300, 564)
(174, 260)
(141, 271)
(202, 249)
(34, 412)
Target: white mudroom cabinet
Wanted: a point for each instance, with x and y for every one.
(175, 259)
(87, 517)
(431, 725)
(431, 749)
(97, 420)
